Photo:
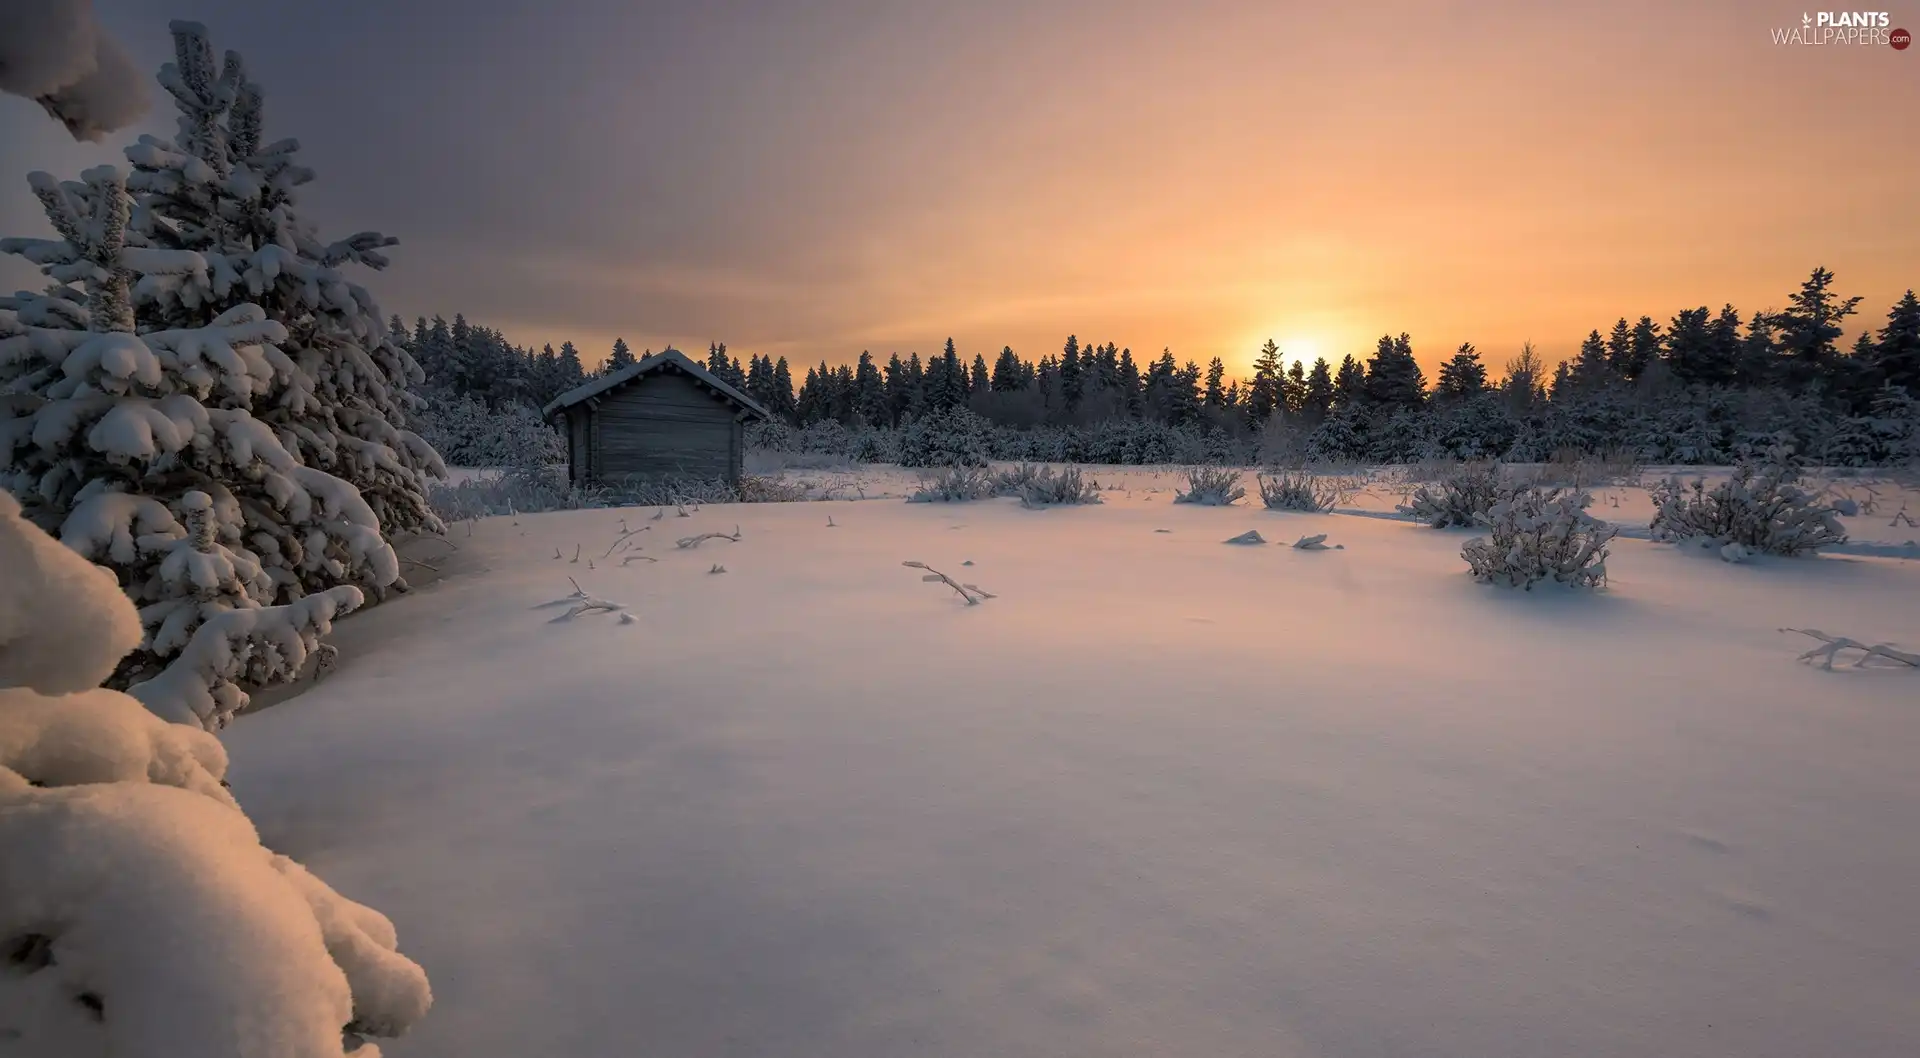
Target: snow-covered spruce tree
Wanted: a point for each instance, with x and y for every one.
(140, 916)
(141, 450)
(218, 190)
(145, 375)
(1540, 534)
(1761, 508)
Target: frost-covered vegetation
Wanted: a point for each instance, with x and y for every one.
(140, 915)
(467, 433)
(1211, 487)
(1539, 533)
(1462, 495)
(201, 400)
(1763, 508)
(1055, 486)
(1296, 490)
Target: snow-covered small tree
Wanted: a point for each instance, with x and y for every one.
(1538, 534)
(1762, 507)
(218, 190)
(200, 400)
(140, 915)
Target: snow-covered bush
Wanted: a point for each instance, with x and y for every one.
(1211, 487)
(1461, 497)
(951, 438)
(139, 912)
(955, 484)
(200, 401)
(467, 433)
(1762, 508)
(1048, 487)
(1540, 534)
(1290, 490)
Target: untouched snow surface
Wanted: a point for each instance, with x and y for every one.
(1161, 796)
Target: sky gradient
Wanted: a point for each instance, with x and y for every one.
(814, 179)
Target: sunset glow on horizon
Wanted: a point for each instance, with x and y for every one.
(814, 181)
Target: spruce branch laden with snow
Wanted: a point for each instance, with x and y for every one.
(140, 912)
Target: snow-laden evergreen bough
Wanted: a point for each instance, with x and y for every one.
(1761, 508)
(200, 378)
(1540, 534)
(140, 916)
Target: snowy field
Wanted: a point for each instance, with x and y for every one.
(1160, 796)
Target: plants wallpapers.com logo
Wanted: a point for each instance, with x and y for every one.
(1844, 27)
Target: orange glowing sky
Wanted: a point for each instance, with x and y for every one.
(814, 180)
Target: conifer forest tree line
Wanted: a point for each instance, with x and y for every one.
(1699, 388)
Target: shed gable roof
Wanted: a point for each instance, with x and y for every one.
(674, 358)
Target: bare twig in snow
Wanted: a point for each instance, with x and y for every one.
(717, 568)
(696, 541)
(1827, 654)
(586, 604)
(1316, 542)
(972, 593)
(576, 552)
(637, 558)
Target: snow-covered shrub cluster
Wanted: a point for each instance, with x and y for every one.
(957, 483)
(1461, 497)
(139, 912)
(1050, 487)
(1762, 508)
(201, 401)
(467, 433)
(1540, 534)
(955, 438)
(1211, 487)
(1291, 490)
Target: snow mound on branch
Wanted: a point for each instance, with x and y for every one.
(55, 53)
(102, 736)
(164, 928)
(64, 622)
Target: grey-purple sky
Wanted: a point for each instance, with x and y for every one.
(814, 179)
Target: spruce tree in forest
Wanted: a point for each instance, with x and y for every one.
(1759, 353)
(1319, 398)
(1264, 395)
(1643, 348)
(1689, 346)
(1463, 375)
(870, 391)
(1896, 355)
(1349, 383)
(572, 371)
(1808, 329)
(1007, 376)
(1394, 378)
(1129, 383)
(1216, 393)
(621, 356)
(782, 389)
(978, 380)
(1591, 369)
(1620, 349)
(1293, 388)
(1072, 377)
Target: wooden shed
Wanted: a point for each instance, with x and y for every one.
(664, 417)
